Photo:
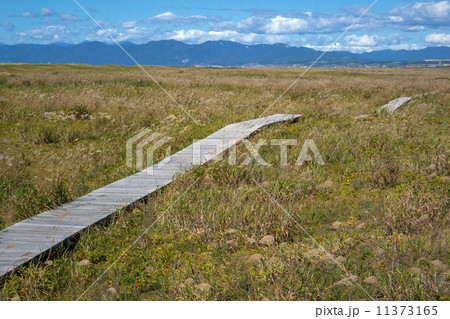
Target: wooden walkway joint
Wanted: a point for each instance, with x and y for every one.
(34, 237)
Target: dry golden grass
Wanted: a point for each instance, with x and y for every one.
(63, 131)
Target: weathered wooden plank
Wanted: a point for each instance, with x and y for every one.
(35, 236)
(393, 105)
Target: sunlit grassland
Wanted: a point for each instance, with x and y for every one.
(385, 180)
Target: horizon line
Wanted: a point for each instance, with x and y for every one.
(227, 41)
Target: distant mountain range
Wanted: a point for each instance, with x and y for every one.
(211, 53)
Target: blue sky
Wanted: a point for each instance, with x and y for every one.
(395, 24)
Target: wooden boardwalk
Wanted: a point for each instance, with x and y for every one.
(39, 235)
(393, 105)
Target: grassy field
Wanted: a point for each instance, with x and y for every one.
(379, 205)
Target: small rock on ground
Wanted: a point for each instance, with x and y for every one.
(189, 281)
(312, 253)
(230, 231)
(325, 185)
(437, 264)
(254, 258)
(267, 240)
(361, 226)
(334, 248)
(48, 263)
(112, 291)
(341, 259)
(372, 280)
(204, 287)
(251, 241)
(336, 225)
(349, 241)
(326, 259)
(346, 281)
(16, 298)
(84, 262)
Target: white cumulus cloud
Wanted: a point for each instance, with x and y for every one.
(135, 34)
(199, 36)
(46, 13)
(165, 16)
(363, 40)
(280, 25)
(170, 17)
(49, 34)
(129, 24)
(420, 15)
(438, 38)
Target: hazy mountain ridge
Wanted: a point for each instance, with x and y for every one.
(211, 53)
